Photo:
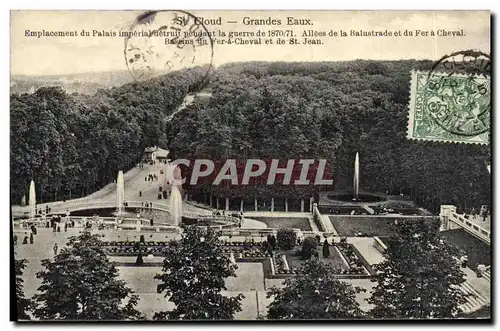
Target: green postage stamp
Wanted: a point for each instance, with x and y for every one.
(449, 108)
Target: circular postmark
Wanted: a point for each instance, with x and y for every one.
(469, 62)
(159, 42)
(456, 94)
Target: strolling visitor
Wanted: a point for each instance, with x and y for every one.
(58, 228)
(140, 194)
(15, 239)
(481, 268)
(25, 241)
(56, 248)
(65, 227)
(33, 229)
(463, 260)
(31, 238)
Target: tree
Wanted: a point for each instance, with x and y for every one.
(419, 277)
(315, 293)
(309, 247)
(24, 305)
(193, 275)
(286, 238)
(82, 284)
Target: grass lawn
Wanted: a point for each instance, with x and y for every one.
(301, 223)
(369, 225)
(295, 261)
(372, 226)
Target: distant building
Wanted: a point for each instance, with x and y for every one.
(155, 153)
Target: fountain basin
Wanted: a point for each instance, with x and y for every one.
(363, 197)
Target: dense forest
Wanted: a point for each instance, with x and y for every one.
(73, 144)
(324, 110)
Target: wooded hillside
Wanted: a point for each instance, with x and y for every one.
(257, 110)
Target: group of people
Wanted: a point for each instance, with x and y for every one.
(484, 212)
(40, 211)
(147, 204)
(216, 212)
(238, 215)
(150, 178)
(162, 194)
(25, 240)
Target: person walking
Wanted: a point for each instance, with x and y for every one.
(56, 248)
(463, 260)
(140, 194)
(15, 239)
(31, 238)
(25, 241)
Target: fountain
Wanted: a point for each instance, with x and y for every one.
(356, 178)
(120, 193)
(32, 199)
(173, 173)
(175, 205)
(354, 197)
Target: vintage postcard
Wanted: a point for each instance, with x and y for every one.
(250, 165)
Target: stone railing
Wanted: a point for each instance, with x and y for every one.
(317, 218)
(470, 227)
(450, 220)
(129, 223)
(85, 205)
(379, 245)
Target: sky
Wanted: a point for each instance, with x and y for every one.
(67, 55)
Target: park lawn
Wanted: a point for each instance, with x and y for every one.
(369, 225)
(478, 252)
(301, 223)
(335, 260)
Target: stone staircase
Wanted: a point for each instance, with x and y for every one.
(475, 300)
(487, 275)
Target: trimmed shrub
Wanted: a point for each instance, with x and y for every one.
(286, 239)
(310, 245)
(139, 259)
(326, 249)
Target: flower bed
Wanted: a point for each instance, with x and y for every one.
(280, 267)
(356, 265)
